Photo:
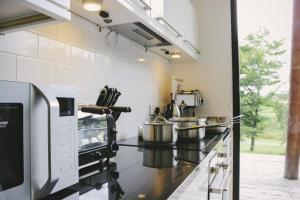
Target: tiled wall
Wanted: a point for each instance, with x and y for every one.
(77, 54)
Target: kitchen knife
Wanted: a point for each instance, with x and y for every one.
(115, 99)
(111, 94)
(109, 90)
(114, 93)
(101, 97)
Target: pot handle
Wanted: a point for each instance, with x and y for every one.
(161, 118)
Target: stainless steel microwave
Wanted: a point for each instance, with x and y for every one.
(38, 140)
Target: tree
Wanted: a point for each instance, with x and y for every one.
(259, 65)
(279, 103)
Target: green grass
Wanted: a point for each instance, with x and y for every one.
(270, 141)
(263, 146)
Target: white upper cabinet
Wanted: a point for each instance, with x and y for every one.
(174, 21)
(179, 17)
(23, 14)
(144, 6)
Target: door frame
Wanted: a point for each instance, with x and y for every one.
(235, 99)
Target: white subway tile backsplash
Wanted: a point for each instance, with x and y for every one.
(22, 43)
(35, 71)
(68, 33)
(104, 64)
(66, 75)
(55, 51)
(48, 31)
(8, 67)
(88, 96)
(82, 57)
(95, 80)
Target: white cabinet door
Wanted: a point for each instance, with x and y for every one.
(142, 6)
(63, 3)
(192, 32)
(169, 14)
(179, 16)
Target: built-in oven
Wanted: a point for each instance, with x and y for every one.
(211, 179)
(38, 140)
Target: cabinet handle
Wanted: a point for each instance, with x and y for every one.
(146, 6)
(191, 45)
(161, 19)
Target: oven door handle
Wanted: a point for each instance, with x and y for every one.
(53, 110)
(224, 185)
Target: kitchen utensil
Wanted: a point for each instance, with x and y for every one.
(181, 107)
(214, 122)
(101, 97)
(109, 90)
(158, 131)
(189, 135)
(156, 111)
(115, 99)
(112, 92)
(172, 110)
(220, 119)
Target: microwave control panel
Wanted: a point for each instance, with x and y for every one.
(67, 165)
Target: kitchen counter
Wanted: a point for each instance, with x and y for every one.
(140, 171)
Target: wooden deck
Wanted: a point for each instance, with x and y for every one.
(262, 179)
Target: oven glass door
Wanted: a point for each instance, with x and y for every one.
(11, 145)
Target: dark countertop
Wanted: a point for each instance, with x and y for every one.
(142, 172)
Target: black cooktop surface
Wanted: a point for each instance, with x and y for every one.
(140, 171)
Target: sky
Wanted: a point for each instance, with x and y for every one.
(275, 15)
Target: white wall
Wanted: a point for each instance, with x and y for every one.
(77, 54)
(212, 74)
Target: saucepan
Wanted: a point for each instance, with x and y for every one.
(188, 135)
(214, 124)
(158, 131)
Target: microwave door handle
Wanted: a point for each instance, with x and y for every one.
(51, 181)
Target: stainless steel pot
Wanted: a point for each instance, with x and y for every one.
(216, 120)
(158, 131)
(196, 134)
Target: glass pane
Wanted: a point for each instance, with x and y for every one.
(92, 130)
(11, 145)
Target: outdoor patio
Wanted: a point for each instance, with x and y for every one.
(262, 179)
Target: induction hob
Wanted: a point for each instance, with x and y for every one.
(140, 172)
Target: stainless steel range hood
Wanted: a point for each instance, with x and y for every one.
(140, 34)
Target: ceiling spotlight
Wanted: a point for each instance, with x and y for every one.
(141, 59)
(175, 55)
(92, 5)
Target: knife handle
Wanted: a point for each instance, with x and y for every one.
(95, 109)
(101, 97)
(116, 97)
